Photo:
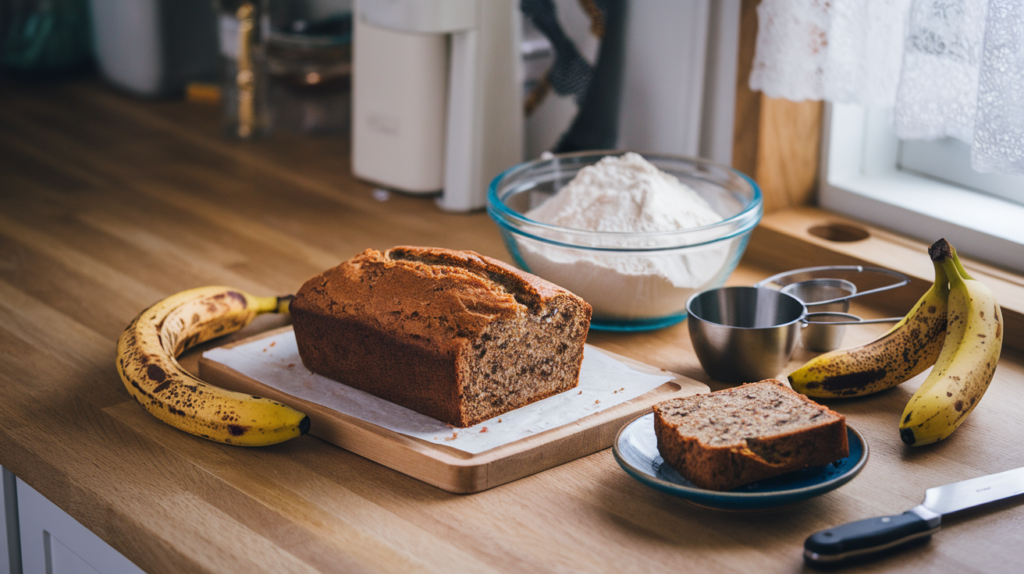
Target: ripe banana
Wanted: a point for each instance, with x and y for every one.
(147, 362)
(904, 352)
(967, 362)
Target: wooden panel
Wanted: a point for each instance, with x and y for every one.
(787, 152)
(747, 125)
(452, 469)
(775, 141)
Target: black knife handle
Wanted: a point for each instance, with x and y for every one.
(867, 537)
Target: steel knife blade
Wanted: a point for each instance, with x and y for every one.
(863, 537)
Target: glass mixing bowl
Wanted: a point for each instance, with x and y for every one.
(634, 281)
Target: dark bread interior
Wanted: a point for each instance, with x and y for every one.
(728, 438)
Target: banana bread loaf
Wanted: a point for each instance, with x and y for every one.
(451, 334)
(736, 436)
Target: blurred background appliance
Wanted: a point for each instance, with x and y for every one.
(45, 37)
(679, 77)
(437, 81)
(437, 96)
(241, 26)
(309, 64)
(449, 93)
(155, 47)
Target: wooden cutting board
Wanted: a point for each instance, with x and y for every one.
(449, 468)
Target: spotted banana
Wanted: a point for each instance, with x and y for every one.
(147, 354)
(905, 351)
(967, 363)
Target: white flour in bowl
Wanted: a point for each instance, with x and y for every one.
(626, 194)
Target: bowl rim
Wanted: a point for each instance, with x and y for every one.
(504, 216)
(745, 288)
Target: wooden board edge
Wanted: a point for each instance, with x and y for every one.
(448, 468)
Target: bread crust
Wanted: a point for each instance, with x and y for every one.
(756, 454)
(413, 325)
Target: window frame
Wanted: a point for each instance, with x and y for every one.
(860, 177)
(949, 159)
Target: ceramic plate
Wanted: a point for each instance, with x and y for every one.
(636, 450)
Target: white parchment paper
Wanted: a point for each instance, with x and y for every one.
(604, 383)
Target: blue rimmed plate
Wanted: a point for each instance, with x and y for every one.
(636, 450)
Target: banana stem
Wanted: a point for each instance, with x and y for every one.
(941, 279)
(959, 265)
(952, 273)
(273, 304)
(943, 254)
(284, 303)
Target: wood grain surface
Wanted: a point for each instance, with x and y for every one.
(448, 468)
(108, 204)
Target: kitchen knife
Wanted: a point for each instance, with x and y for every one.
(864, 537)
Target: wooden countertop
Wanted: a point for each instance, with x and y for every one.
(109, 203)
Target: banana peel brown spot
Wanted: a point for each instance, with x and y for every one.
(907, 436)
(959, 406)
(237, 430)
(156, 374)
(237, 297)
(852, 381)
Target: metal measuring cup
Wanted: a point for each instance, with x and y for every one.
(825, 327)
(744, 334)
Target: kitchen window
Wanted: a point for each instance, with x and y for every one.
(930, 71)
(919, 188)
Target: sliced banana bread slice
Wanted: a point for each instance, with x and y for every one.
(736, 436)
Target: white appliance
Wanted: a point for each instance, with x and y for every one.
(155, 47)
(437, 96)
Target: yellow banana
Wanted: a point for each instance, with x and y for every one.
(968, 360)
(905, 351)
(147, 362)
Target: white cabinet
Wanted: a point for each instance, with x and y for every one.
(54, 543)
(7, 540)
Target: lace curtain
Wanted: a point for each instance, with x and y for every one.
(947, 67)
